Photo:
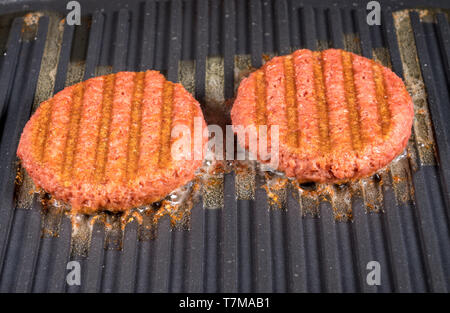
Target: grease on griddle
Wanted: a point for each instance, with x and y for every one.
(422, 127)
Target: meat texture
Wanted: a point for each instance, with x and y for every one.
(105, 143)
(340, 116)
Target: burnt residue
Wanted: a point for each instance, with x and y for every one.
(422, 127)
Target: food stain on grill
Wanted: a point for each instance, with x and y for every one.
(400, 168)
(422, 128)
(24, 188)
(52, 214)
(245, 173)
(276, 187)
(214, 83)
(30, 24)
(186, 74)
(352, 43)
(373, 194)
(323, 44)
(44, 88)
(242, 68)
(176, 206)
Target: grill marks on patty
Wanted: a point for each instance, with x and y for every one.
(43, 128)
(72, 139)
(106, 142)
(351, 101)
(260, 98)
(367, 100)
(321, 101)
(166, 124)
(291, 102)
(331, 101)
(341, 116)
(102, 141)
(383, 109)
(339, 128)
(89, 124)
(95, 134)
(135, 125)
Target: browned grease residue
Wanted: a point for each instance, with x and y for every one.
(177, 205)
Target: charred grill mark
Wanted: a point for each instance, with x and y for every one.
(352, 105)
(383, 109)
(69, 154)
(193, 112)
(135, 125)
(321, 102)
(261, 92)
(105, 122)
(151, 124)
(166, 124)
(42, 129)
(291, 102)
(370, 128)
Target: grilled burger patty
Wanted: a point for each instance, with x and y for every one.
(341, 116)
(106, 142)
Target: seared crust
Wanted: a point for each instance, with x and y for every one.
(341, 116)
(106, 142)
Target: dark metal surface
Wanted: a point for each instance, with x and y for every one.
(244, 246)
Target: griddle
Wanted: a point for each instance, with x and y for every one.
(245, 244)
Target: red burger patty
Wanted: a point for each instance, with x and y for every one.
(106, 142)
(340, 116)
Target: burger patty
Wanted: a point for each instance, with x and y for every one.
(106, 142)
(340, 116)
